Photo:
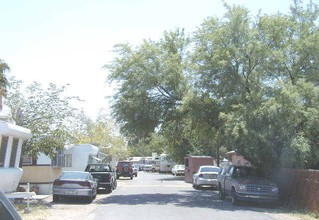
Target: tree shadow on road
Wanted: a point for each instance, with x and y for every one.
(187, 198)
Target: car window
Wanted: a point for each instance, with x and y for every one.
(73, 175)
(209, 169)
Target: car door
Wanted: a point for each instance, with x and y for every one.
(228, 181)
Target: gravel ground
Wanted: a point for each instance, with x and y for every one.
(44, 209)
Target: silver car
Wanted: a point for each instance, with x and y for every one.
(75, 184)
(206, 176)
(135, 169)
(178, 170)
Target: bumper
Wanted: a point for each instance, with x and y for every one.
(257, 198)
(104, 185)
(72, 192)
(125, 174)
(207, 182)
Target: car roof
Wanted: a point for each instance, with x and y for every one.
(210, 166)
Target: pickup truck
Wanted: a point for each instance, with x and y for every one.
(243, 184)
(104, 175)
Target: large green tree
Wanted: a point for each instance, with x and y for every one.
(251, 85)
(45, 111)
(151, 83)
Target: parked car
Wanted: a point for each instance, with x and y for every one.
(75, 184)
(104, 175)
(124, 169)
(135, 170)
(206, 176)
(244, 183)
(148, 167)
(178, 170)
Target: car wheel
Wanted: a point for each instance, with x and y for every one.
(109, 189)
(115, 184)
(90, 198)
(234, 199)
(56, 198)
(126, 169)
(221, 194)
(135, 175)
(153, 170)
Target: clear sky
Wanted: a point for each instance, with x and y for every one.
(68, 41)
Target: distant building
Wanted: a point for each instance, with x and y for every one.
(73, 158)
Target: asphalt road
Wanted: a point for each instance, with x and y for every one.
(153, 196)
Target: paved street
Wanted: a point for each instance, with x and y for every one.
(156, 197)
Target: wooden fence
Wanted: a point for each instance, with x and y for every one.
(299, 188)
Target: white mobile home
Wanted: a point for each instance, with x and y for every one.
(165, 163)
(79, 156)
(11, 138)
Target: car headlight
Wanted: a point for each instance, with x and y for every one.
(242, 187)
(274, 189)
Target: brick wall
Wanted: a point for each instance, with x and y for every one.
(299, 188)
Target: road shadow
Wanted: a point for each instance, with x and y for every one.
(173, 178)
(186, 198)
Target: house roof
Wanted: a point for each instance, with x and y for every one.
(89, 148)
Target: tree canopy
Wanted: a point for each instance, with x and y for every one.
(239, 82)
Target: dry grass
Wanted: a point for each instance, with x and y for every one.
(37, 211)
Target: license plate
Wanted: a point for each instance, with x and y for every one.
(71, 192)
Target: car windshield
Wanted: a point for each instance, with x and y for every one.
(209, 169)
(124, 163)
(180, 167)
(98, 168)
(73, 175)
(246, 172)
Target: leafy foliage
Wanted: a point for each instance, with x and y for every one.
(46, 112)
(240, 83)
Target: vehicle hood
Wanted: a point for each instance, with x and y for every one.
(256, 181)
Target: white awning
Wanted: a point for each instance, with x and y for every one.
(95, 158)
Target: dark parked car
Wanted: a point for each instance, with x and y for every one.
(243, 183)
(75, 184)
(124, 169)
(104, 175)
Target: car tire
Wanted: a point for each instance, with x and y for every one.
(114, 184)
(109, 189)
(56, 198)
(126, 169)
(234, 199)
(221, 194)
(90, 198)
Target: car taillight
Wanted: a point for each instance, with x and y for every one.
(58, 183)
(85, 184)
